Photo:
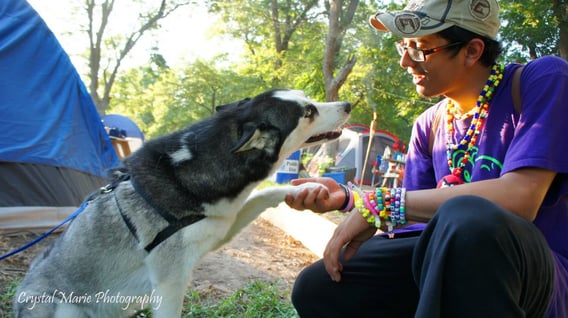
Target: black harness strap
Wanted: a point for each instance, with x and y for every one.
(172, 228)
(110, 188)
(174, 224)
(126, 219)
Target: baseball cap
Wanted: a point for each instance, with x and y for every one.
(424, 17)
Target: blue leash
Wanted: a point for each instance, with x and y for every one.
(46, 234)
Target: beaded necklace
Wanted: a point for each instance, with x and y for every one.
(479, 114)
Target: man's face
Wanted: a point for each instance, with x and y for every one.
(440, 73)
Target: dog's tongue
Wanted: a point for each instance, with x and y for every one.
(326, 135)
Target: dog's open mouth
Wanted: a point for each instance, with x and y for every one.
(329, 135)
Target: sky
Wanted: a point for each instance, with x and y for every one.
(184, 35)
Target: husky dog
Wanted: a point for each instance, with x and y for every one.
(176, 199)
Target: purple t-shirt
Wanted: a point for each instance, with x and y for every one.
(537, 137)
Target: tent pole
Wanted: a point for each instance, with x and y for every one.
(371, 135)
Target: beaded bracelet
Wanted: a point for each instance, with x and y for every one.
(403, 206)
(387, 205)
(380, 203)
(360, 206)
(368, 213)
(370, 203)
(359, 203)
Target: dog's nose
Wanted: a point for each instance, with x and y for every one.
(347, 107)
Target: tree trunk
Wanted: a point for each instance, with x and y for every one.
(338, 23)
(561, 12)
(106, 77)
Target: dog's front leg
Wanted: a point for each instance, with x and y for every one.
(168, 300)
(261, 200)
(169, 275)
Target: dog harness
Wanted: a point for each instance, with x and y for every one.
(174, 224)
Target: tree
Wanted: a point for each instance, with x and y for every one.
(289, 41)
(340, 19)
(537, 27)
(286, 19)
(286, 25)
(162, 100)
(322, 55)
(114, 49)
(560, 9)
(269, 29)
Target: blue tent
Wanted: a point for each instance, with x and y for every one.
(53, 147)
(123, 124)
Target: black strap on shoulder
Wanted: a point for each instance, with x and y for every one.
(126, 219)
(172, 228)
(517, 104)
(516, 89)
(174, 224)
(434, 127)
(119, 177)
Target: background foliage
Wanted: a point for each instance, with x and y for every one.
(285, 43)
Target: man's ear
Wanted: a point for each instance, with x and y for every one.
(257, 137)
(473, 51)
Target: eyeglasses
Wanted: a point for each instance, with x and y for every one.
(418, 55)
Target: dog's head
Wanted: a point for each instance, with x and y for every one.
(242, 143)
(280, 122)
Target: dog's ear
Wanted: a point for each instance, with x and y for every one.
(258, 137)
(231, 105)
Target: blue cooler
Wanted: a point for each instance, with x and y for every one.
(338, 176)
(290, 169)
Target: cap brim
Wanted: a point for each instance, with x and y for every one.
(376, 24)
(388, 22)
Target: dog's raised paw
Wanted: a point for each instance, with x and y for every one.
(311, 186)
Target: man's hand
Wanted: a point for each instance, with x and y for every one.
(327, 198)
(351, 233)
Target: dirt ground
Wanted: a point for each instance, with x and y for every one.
(261, 252)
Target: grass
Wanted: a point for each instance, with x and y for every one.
(257, 299)
(6, 297)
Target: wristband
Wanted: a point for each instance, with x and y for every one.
(348, 203)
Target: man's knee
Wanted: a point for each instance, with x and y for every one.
(472, 214)
(308, 287)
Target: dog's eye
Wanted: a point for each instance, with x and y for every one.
(310, 111)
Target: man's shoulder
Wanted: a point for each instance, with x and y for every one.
(546, 65)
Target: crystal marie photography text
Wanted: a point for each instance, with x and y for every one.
(102, 297)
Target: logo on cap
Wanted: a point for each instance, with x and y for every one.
(480, 9)
(407, 22)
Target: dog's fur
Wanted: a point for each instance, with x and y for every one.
(208, 171)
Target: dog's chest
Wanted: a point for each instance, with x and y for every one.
(219, 218)
(228, 208)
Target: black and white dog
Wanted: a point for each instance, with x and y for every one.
(177, 198)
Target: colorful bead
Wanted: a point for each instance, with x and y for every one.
(382, 205)
(360, 206)
(370, 203)
(480, 113)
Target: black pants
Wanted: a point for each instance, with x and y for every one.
(474, 259)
